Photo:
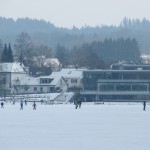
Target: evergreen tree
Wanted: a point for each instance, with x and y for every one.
(9, 55)
(4, 54)
(62, 54)
(1, 49)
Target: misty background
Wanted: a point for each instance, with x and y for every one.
(42, 32)
(32, 37)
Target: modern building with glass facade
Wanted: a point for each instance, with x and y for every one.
(116, 85)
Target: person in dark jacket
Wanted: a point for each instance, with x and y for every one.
(76, 104)
(34, 106)
(79, 103)
(144, 105)
(25, 102)
(13, 102)
(2, 104)
(21, 105)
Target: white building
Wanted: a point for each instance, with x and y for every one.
(11, 74)
(56, 82)
(15, 79)
(68, 78)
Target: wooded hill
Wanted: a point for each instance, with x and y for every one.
(46, 33)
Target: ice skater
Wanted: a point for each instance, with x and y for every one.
(21, 104)
(79, 103)
(76, 104)
(34, 106)
(13, 102)
(144, 105)
(25, 102)
(2, 105)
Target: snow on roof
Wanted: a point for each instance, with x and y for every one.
(29, 80)
(14, 67)
(66, 73)
(56, 76)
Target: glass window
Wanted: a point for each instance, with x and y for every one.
(41, 89)
(26, 88)
(107, 87)
(139, 87)
(35, 88)
(130, 76)
(73, 80)
(123, 87)
(51, 88)
(144, 76)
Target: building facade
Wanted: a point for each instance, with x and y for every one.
(9, 75)
(116, 85)
(64, 80)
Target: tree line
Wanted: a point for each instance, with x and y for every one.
(49, 35)
(6, 53)
(95, 55)
(100, 54)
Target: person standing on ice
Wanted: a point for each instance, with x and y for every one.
(25, 102)
(2, 104)
(79, 103)
(21, 104)
(144, 105)
(34, 106)
(76, 104)
(13, 102)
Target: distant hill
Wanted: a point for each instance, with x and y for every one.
(46, 33)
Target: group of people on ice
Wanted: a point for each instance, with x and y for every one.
(78, 101)
(21, 105)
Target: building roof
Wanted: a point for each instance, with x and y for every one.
(28, 80)
(55, 76)
(14, 67)
(65, 73)
(69, 73)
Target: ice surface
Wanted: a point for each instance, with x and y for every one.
(61, 127)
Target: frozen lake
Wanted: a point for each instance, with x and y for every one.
(61, 127)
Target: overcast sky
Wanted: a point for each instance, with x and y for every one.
(66, 13)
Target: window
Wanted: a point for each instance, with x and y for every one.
(73, 80)
(45, 80)
(140, 87)
(130, 76)
(35, 88)
(51, 88)
(3, 80)
(41, 89)
(107, 87)
(123, 87)
(26, 88)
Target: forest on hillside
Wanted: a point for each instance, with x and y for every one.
(95, 55)
(46, 33)
(91, 47)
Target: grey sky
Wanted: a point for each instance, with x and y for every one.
(67, 13)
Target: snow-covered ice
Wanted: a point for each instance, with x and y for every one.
(61, 127)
